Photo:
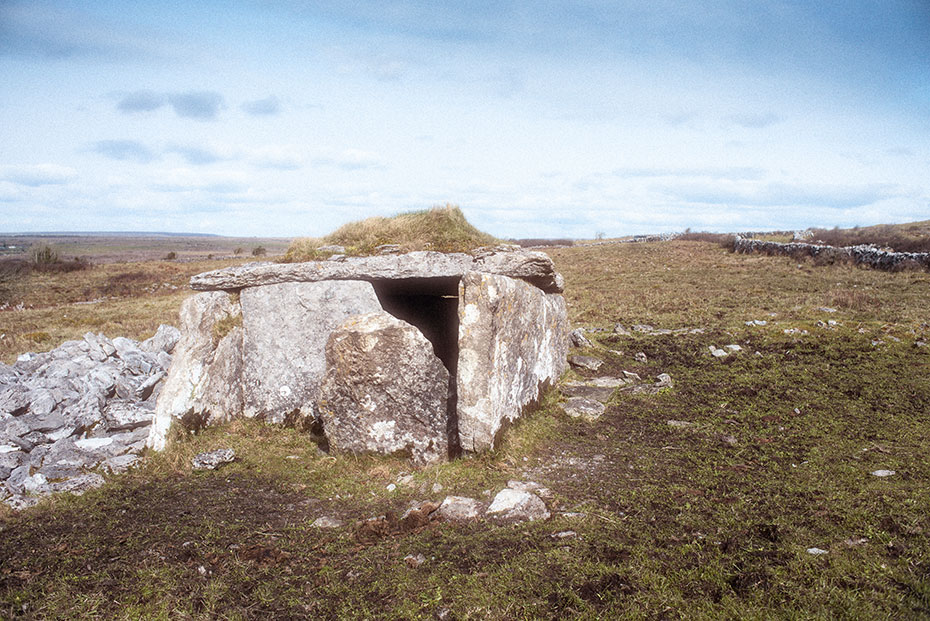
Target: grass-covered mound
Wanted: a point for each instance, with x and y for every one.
(441, 228)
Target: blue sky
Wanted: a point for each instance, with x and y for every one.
(540, 119)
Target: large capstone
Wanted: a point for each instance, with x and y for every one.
(534, 267)
(287, 326)
(385, 391)
(513, 337)
(203, 385)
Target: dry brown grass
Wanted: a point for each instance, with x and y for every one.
(909, 237)
(631, 283)
(44, 309)
(441, 228)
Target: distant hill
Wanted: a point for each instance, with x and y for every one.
(107, 234)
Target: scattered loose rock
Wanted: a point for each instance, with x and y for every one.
(414, 561)
(326, 521)
(460, 509)
(213, 459)
(883, 473)
(585, 362)
(518, 505)
(581, 407)
(579, 339)
(83, 405)
(816, 551)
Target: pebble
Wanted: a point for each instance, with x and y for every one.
(883, 473)
(816, 551)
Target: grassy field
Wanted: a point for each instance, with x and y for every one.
(711, 520)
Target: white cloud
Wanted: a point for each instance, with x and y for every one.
(38, 175)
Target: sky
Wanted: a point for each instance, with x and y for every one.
(538, 118)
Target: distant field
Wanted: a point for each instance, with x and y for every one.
(708, 518)
(129, 247)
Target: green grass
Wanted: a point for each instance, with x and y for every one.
(705, 522)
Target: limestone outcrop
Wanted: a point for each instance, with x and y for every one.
(385, 391)
(422, 353)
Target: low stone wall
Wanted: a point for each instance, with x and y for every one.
(859, 255)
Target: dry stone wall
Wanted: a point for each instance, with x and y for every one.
(859, 255)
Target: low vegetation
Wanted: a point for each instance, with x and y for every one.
(712, 519)
(441, 228)
(910, 237)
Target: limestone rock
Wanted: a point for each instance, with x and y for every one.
(534, 267)
(579, 339)
(164, 339)
(385, 391)
(326, 521)
(586, 362)
(512, 338)
(531, 266)
(518, 506)
(588, 391)
(460, 509)
(213, 459)
(203, 384)
(587, 409)
(286, 329)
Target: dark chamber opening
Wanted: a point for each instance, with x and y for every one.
(432, 305)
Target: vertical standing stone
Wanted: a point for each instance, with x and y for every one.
(286, 329)
(203, 382)
(512, 338)
(385, 391)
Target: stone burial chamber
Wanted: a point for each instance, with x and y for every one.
(424, 354)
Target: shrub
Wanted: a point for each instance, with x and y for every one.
(238, 250)
(44, 255)
(441, 228)
(259, 251)
(171, 256)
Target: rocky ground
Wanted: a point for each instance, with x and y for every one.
(73, 414)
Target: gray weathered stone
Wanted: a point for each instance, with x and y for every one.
(588, 391)
(385, 391)
(579, 339)
(518, 506)
(586, 362)
(534, 267)
(213, 459)
(164, 339)
(127, 415)
(512, 338)
(286, 330)
(203, 384)
(460, 509)
(587, 409)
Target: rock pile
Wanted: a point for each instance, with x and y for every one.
(859, 255)
(86, 405)
(424, 354)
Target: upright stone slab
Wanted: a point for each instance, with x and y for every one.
(286, 329)
(203, 385)
(512, 338)
(385, 391)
